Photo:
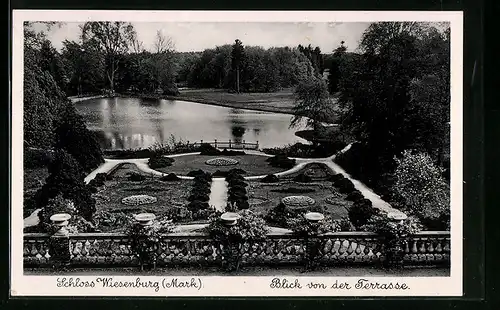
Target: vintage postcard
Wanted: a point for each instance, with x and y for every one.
(231, 153)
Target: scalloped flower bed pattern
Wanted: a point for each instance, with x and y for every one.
(137, 200)
(298, 201)
(221, 161)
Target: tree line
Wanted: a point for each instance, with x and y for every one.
(249, 68)
(109, 57)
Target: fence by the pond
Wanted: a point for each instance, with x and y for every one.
(230, 144)
(198, 248)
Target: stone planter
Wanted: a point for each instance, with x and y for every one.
(230, 218)
(145, 219)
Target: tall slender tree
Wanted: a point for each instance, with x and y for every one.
(237, 57)
(335, 72)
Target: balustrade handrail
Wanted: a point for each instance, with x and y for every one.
(342, 234)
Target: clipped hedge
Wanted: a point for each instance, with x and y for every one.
(355, 196)
(270, 178)
(160, 162)
(281, 161)
(169, 177)
(361, 212)
(136, 177)
(345, 186)
(302, 178)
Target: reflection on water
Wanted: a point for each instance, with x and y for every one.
(124, 123)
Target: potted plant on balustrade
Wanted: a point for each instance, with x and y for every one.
(231, 230)
(394, 228)
(309, 227)
(145, 238)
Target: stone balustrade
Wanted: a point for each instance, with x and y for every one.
(197, 248)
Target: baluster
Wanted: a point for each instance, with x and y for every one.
(430, 248)
(439, 248)
(215, 143)
(350, 248)
(243, 144)
(229, 143)
(422, 246)
(414, 249)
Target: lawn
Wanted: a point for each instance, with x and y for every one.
(264, 197)
(252, 164)
(281, 101)
(109, 197)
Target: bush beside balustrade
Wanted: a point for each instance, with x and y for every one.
(199, 249)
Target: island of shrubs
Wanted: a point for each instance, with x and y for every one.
(281, 161)
(159, 161)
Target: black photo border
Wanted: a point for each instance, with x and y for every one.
(473, 170)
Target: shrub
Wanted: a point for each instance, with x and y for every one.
(227, 152)
(67, 179)
(249, 227)
(237, 171)
(270, 178)
(73, 136)
(219, 174)
(179, 214)
(160, 162)
(208, 149)
(360, 213)
(107, 220)
(344, 185)
(136, 177)
(336, 177)
(302, 178)
(355, 196)
(423, 189)
(282, 216)
(239, 183)
(169, 177)
(36, 158)
(201, 188)
(194, 173)
(202, 214)
(198, 196)
(97, 181)
(394, 234)
(56, 205)
(197, 205)
(280, 161)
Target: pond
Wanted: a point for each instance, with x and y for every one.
(131, 123)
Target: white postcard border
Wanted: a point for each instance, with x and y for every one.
(24, 285)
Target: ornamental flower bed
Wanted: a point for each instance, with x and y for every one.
(298, 201)
(221, 161)
(137, 200)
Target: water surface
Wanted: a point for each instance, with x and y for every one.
(130, 123)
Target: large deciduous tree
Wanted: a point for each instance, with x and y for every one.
(313, 104)
(114, 39)
(398, 96)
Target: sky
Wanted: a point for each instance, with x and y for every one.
(198, 36)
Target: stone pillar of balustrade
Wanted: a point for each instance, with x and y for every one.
(59, 246)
